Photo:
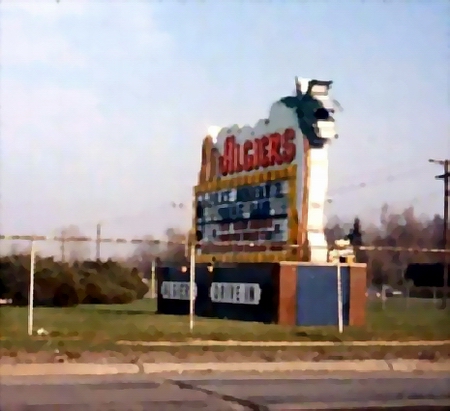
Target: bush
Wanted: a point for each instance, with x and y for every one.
(62, 285)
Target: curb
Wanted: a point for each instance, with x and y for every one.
(364, 405)
(66, 369)
(234, 343)
(328, 366)
(361, 366)
(154, 368)
(419, 365)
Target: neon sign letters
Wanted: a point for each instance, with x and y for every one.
(263, 152)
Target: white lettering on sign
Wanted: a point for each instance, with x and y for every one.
(235, 293)
(177, 290)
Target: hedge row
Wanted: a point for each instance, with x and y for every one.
(62, 284)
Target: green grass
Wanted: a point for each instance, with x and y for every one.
(413, 318)
(99, 325)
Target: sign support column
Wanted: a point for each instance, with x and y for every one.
(192, 287)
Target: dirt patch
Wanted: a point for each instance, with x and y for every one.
(189, 354)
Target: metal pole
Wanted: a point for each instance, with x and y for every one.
(191, 289)
(153, 280)
(63, 247)
(446, 177)
(408, 293)
(31, 291)
(339, 294)
(445, 233)
(383, 296)
(98, 242)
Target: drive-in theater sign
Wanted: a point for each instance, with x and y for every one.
(258, 216)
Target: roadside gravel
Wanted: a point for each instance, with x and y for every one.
(224, 354)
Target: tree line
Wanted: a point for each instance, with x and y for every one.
(80, 280)
(404, 229)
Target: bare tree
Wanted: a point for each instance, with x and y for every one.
(145, 254)
(15, 250)
(72, 251)
(175, 250)
(403, 229)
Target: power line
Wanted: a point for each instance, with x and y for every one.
(143, 212)
(387, 179)
(219, 243)
(339, 191)
(411, 200)
(384, 168)
(185, 205)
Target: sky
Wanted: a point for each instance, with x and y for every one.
(104, 104)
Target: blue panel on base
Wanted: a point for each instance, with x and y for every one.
(317, 301)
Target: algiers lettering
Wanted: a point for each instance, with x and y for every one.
(267, 151)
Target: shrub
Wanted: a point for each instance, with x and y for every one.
(61, 284)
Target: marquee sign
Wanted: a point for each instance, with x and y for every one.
(251, 212)
(262, 189)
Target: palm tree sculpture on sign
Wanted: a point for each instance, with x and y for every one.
(309, 111)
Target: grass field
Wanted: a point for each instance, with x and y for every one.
(421, 319)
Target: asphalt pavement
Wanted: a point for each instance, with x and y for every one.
(226, 392)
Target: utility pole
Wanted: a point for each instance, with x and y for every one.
(63, 246)
(446, 178)
(98, 242)
(180, 206)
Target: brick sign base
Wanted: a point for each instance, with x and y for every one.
(287, 293)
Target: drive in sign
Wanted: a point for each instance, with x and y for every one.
(271, 150)
(235, 293)
(176, 290)
(243, 167)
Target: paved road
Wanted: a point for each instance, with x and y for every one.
(225, 392)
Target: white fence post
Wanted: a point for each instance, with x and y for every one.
(153, 280)
(340, 302)
(383, 296)
(343, 249)
(192, 289)
(31, 290)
